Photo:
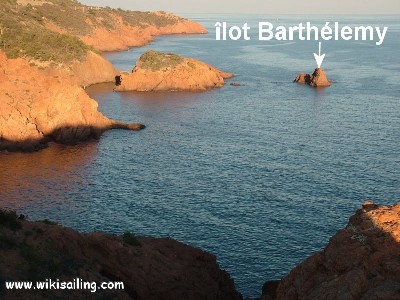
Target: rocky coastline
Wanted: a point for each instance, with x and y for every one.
(96, 69)
(360, 262)
(43, 101)
(36, 109)
(41, 95)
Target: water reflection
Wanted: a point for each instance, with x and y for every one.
(149, 100)
(44, 175)
(154, 100)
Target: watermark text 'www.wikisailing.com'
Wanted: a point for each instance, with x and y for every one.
(76, 284)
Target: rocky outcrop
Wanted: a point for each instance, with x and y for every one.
(360, 262)
(65, 32)
(149, 268)
(35, 109)
(316, 79)
(91, 70)
(94, 68)
(156, 71)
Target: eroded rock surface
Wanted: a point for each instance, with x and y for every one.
(157, 71)
(316, 79)
(361, 261)
(150, 268)
(35, 109)
(91, 70)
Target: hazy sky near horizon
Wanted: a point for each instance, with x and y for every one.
(257, 6)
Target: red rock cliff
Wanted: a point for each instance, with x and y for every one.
(91, 70)
(362, 261)
(124, 36)
(94, 68)
(35, 108)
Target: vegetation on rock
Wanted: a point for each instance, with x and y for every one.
(24, 27)
(23, 34)
(155, 61)
(144, 19)
(157, 71)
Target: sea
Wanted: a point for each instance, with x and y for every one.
(261, 175)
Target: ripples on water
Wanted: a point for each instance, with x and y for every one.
(261, 175)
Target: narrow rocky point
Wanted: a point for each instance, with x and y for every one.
(36, 109)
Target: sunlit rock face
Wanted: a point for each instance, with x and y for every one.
(316, 79)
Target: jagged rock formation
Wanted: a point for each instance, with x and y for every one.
(156, 71)
(149, 268)
(361, 261)
(35, 109)
(316, 79)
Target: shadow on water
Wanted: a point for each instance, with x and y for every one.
(28, 174)
(50, 172)
(67, 135)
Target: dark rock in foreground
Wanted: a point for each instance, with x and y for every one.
(317, 79)
(269, 289)
(150, 268)
(362, 261)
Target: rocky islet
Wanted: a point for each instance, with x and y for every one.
(317, 79)
(158, 71)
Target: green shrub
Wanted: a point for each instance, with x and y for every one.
(154, 60)
(25, 36)
(144, 19)
(192, 65)
(9, 220)
(24, 33)
(67, 17)
(131, 239)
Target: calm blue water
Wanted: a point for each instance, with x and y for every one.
(260, 175)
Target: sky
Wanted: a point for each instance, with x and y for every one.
(256, 6)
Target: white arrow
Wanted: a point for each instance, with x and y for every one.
(318, 57)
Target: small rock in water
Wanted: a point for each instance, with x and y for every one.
(316, 79)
